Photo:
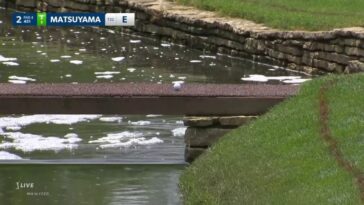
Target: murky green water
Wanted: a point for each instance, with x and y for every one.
(148, 149)
(89, 184)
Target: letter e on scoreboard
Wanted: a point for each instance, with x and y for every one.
(119, 19)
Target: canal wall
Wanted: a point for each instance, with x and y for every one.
(203, 132)
(338, 51)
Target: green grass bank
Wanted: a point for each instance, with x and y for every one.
(283, 158)
(290, 14)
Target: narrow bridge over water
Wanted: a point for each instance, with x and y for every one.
(141, 98)
(214, 100)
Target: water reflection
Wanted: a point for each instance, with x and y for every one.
(87, 184)
(101, 55)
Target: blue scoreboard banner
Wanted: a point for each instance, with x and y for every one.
(24, 19)
(73, 19)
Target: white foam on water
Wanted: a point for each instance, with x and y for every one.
(82, 49)
(13, 128)
(133, 142)
(117, 137)
(54, 60)
(49, 119)
(14, 77)
(107, 73)
(104, 76)
(206, 56)
(11, 63)
(281, 78)
(1, 22)
(135, 41)
(118, 59)
(256, 78)
(71, 135)
(66, 56)
(76, 62)
(4, 59)
(73, 140)
(1, 130)
(8, 156)
(111, 119)
(17, 81)
(31, 142)
(165, 45)
(179, 132)
(179, 122)
(182, 78)
(68, 75)
(131, 69)
(285, 79)
(154, 116)
(296, 81)
(140, 123)
(178, 82)
(195, 61)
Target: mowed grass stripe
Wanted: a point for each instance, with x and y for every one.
(333, 145)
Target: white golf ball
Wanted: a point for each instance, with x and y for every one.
(177, 86)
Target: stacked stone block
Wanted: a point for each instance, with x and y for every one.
(203, 132)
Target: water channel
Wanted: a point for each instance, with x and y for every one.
(96, 159)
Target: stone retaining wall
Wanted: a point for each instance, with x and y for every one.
(340, 50)
(203, 132)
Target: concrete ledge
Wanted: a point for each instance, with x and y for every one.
(199, 121)
(125, 98)
(217, 121)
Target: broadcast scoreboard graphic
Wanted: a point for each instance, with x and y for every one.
(73, 19)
